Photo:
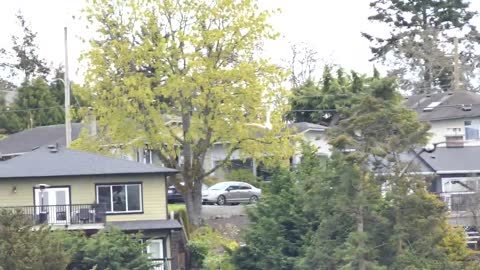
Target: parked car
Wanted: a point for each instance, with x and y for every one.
(175, 196)
(231, 193)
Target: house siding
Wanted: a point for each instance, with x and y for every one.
(442, 128)
(82, 190)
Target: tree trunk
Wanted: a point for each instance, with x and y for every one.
(193, 202)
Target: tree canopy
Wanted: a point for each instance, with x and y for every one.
(355, 210)
(419, 47)
(195, 60)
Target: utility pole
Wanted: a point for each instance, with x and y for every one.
(68, 124)
(456, 68)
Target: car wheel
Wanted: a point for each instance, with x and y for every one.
(253, 199)
(221, 200)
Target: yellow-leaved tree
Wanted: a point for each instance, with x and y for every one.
(196, 60)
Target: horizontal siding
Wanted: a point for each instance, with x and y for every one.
(83, 192)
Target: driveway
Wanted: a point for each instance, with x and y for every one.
(224, 211)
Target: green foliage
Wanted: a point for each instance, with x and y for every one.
(108, 249)
(243, 175)
(419, 46)
(150, 62)
(345, 213)
(22, 247)
(333, 92)
(275, 239)
(27, 61)
(210, 250)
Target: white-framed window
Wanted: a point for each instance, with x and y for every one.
(120, 198)
(156, 253)
(472, 130)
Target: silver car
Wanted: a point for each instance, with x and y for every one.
(231, 193)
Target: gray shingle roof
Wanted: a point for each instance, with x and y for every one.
(453, 160)
(170, 224)
(304, 126)
(43, 163)
(27, 140)
(450, 107)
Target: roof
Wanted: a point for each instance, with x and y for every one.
(147, 225)
(65, 162)
(301, 127)
(451, 160)
(27, 140)
(444, 106)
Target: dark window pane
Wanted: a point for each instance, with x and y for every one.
(133, 192)
(119, 203)
(104, 197)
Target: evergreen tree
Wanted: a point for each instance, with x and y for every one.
(420, 42)
(27, 61)
(107, 249)
(319, 102)
(22, 247)
(36, 106)
(275, 239)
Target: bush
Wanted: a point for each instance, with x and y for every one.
(23, 247)
(210, 250)
(108, 249)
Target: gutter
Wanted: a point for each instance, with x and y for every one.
(458, 171)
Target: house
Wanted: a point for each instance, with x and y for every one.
(75, 190)
(455, 178)
(31, 139)
(450, 114)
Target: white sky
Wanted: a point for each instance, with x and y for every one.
(332, 27)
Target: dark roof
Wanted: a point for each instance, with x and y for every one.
(65, 162)
(450, 106)
(27, 140)
(453, 160)
(147, 225)
(304, 126)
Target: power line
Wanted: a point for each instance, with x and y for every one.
(37, 109)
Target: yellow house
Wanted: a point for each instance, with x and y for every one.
(75, 190)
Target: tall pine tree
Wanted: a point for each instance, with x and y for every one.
(419, 46)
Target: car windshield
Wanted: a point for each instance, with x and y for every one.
(219, 186)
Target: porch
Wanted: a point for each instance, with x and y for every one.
(63, 214)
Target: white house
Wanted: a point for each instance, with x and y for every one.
(452, 115)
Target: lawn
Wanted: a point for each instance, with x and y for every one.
(175, 207)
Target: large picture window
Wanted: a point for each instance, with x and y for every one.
(120, 198)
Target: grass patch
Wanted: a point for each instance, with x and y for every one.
(176, 207)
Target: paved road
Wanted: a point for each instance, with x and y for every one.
(215, 211)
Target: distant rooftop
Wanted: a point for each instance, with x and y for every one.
(445, 160)
(53, 162)
(444, 106)
(30, 139)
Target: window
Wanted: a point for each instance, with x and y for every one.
(120, 198)
(462, 202)
(245, 187)
(471, 130)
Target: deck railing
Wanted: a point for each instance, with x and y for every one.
(160, 264)
(65, 214)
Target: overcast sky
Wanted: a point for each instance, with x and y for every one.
(332, 27)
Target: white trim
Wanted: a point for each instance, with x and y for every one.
(459, 171)
(140, 190)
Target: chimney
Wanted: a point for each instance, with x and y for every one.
(454, 141)
(91, 122)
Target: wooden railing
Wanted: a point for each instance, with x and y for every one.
(65, 214)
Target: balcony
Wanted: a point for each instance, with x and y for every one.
(161, 264)
(68, 214)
